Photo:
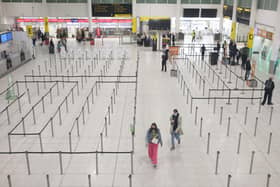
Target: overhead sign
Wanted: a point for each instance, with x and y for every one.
(110, 10)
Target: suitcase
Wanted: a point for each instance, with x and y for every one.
(173, 72)
(252, 83)
(91, 42)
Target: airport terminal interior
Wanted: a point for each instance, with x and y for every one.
(139, 93)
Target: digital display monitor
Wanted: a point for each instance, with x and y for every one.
(5, 37)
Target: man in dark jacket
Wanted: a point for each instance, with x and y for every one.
(244, 55)
(268, 89)
(203, 49)
(248, 69)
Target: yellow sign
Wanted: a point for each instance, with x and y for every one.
(134, 25)
(233, 31)
(29, 30)
(123, 15)
(46, 22)
(250, 38)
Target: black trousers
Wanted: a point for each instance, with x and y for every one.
(163, 66)
(202, 56)
(244, 59)
(268, 96)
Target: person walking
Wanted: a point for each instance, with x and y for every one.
(51, 47)
(218, 47)
(153, 138)
(175, 128)
(244, 55)
(163, 61)
(173, 39)
(193, 36)
(59, 45)
(202, 50)
(268, 89)
(247, 69)
(225, 48)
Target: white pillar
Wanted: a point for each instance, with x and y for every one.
(234, 10)
(221, 30)
(178, 16)
(253, 14)
(89, 15)
(233, 26)
(275, 44)
(1, 13)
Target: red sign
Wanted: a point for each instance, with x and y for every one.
(23, 20)
(265, 34)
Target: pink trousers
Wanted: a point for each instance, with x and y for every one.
(153, 152)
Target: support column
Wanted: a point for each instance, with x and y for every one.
(274, 61)
(221, 30)
(178, 16)
(233, 26)
(90, 15)
(251, 36)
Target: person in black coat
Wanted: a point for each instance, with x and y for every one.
(268, 89)
(203, 49)
(248, 69)
(163, 62)
(218, 47)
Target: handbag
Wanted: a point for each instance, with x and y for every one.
(154, 141)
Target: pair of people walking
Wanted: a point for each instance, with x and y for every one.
(153, 136)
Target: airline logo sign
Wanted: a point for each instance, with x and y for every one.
(46, 22)
(29, 30)
(250, 38)
(233, 31)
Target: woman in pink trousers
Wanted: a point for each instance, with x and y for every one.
(153, 138)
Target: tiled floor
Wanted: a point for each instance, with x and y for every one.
(157, 95)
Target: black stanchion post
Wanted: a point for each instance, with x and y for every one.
(208, 143)
(217, 162)
(256, 126)
(228, 180)
(200, 129)
(237, 104)
(271, 113)
(60, 163)
(228, 126)
(239, 143)
(221, 115)
(27, 162)
(89, 180)
(246, 114)
(23, 126)
(70, 142)
(41, 143)
(83, 115)
(195, 116)
(268, 180)
(252, 162)
(34, 118)
(214, 106)
(48, 180)
(59, 115)
(269, 143)
(52, 127)
(43, 104)
(101, 141)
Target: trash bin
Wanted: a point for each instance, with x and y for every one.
(214, 58)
